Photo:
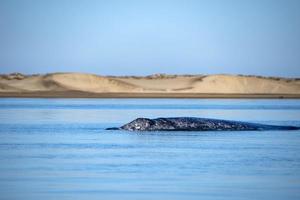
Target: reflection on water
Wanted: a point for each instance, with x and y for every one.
(58, 149)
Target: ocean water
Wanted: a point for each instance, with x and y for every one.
(59, 149)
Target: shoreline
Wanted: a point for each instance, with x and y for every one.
(82, 85)
(79, 94)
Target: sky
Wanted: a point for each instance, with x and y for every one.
(140, 37)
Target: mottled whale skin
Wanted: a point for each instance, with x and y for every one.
(196, 124)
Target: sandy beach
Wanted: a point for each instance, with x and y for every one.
(79, 85)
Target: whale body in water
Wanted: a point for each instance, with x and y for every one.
(196, 124)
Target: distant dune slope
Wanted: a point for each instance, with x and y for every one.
(214, 84)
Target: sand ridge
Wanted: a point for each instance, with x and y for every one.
(159, 83)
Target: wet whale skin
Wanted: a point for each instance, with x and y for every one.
(196, 124)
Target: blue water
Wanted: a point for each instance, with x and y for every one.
(58, 149)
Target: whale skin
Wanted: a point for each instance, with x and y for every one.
(196, 124)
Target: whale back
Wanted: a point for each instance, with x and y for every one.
(196, 124)
(185, 124)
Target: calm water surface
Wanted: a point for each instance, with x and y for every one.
(58, 149)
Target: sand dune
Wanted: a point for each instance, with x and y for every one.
(168, 84)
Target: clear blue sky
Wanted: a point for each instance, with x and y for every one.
(144, 37)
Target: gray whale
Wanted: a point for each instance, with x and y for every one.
(196, 124)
